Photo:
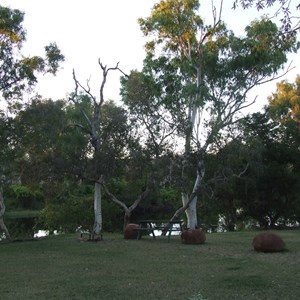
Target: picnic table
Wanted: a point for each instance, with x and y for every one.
(150, 226)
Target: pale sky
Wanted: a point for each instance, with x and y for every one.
(91, 29)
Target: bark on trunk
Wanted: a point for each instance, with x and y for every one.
(191, 211)
(97, 209)
(190, 202)
(2, 211)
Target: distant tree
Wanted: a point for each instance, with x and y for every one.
(272, 180)
(284, 105)
(224, 184)
(255, 176)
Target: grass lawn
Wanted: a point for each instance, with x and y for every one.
(225, 267)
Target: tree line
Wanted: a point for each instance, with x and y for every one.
(178, 146)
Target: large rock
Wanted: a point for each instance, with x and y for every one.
(268, 242)
(129, 232)
(193, 236)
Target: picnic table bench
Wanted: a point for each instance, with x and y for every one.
(167, 227)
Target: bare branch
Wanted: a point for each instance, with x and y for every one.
(105, 71)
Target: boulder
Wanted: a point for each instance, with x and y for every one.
(193, 236)
(129, 232)
(268, 242)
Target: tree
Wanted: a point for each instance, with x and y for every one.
(203, 74)
(92, 125)
(19, 73)
(284, 104)
(38, 131)
(254, 178)
(272, 180)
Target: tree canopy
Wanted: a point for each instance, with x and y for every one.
(17, 72)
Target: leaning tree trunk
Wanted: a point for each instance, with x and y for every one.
(191, 211)
(2, 211)
(97, 209)
(190, 202)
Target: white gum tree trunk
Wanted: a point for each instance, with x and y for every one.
(191, 211)
(97, 209)
(3, 228)
(190, 202)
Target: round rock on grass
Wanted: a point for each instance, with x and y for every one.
(193, 236)
(130, 232)
(268, 242)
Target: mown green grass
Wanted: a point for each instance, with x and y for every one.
(225, 267)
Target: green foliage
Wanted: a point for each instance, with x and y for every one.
(69, 216)
(174, 22)
(23, 197)
(286, 12)
(169, 195)
(256, 176)
(72, 210)
(68, 212)
(53, 58)
(38, 134)
(17, 73)
(284, 106)
(189, 71)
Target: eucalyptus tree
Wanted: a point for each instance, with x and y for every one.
(203, 74)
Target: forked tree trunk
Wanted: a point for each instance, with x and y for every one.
(2, 211)
(127, 210)
(97, 209)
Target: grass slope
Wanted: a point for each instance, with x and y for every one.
(225, 267)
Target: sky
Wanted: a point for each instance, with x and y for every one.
(88, 30)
